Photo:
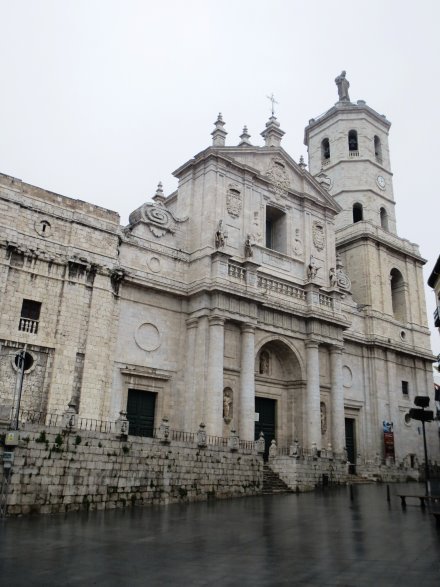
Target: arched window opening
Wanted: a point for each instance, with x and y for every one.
(398, 295)
(358, 212)
(325, 149)
(384, 219)
(377, 148)
(352, 140)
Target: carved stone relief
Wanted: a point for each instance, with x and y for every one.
(344, 281)
(234, 201)
(257, 235)
(318, 235)
(325, 181)
(159, 219)
(297, 244)
(277, 174)
(154, 264)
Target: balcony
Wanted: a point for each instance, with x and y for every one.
(353, 153)
(436, 318)
(28, 325)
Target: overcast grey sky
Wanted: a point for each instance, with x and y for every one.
(101, 99)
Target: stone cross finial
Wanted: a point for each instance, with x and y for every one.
(272, 99)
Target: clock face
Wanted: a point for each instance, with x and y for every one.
(381, 182)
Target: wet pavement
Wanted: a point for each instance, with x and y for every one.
(320, 538)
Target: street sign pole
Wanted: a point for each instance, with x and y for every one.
(427, 484)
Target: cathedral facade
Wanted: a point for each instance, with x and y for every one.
(263, 295)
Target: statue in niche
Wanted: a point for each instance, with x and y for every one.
(248, 252)
(343, 84)
(220, 236)
(312, 269)
(333, 277)
(227, 404)
(323, 418)
(264, 363)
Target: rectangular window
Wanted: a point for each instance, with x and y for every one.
(276, 230)
(30, 316)
(405, 388)
(269, 233)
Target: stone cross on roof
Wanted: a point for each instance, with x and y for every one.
(272, 99)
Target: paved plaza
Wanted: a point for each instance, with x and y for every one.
(320, 538)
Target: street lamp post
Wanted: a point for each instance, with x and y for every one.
(18, 389)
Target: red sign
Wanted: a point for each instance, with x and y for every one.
(388, 439)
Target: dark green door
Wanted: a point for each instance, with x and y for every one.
(140, 412)
(265, 422)
(350, 444)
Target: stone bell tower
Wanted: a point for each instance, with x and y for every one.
(349, 156)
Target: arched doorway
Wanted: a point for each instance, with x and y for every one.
(278, 394)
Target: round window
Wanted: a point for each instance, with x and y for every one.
(28, 361)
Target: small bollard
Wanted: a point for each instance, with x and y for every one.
(388, 493)
(351, 492)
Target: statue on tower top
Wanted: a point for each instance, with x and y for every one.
(343, 84)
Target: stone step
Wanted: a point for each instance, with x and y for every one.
(272, 484)
(356, 480)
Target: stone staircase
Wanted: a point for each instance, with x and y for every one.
(358, 480)
(272, 484)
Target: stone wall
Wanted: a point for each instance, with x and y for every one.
(55, 472)
(306, 474)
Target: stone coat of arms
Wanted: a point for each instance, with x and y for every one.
(277, 174)
(318, 235)
(233, 201)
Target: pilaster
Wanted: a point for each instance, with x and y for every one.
(313, 417)
(337, 399)
(247, 383)
(190, 392)
(214, 389)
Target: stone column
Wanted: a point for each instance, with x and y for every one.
(247, 383)
(313, 411)
(189, 408)
(214, 383)
(337, 400)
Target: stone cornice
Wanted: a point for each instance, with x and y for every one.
(225, 154)
(344, 108)
(366, 231)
